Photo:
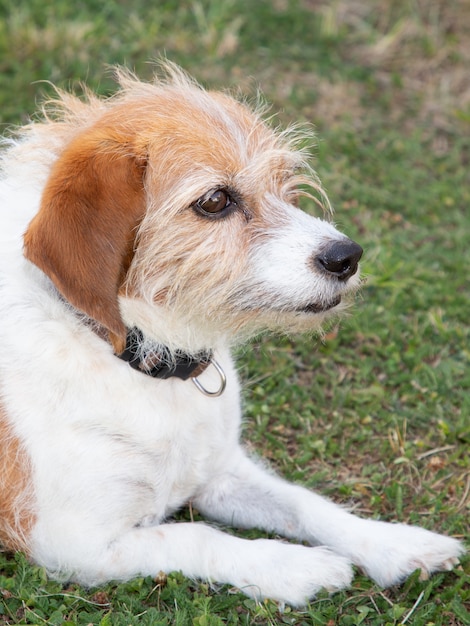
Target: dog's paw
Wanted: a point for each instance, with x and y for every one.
(391, 552)
(295, 574)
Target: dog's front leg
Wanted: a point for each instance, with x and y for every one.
(260, 568)
(246, 495)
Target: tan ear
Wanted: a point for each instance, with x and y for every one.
(83, 235)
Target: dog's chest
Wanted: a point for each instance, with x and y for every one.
(142, 458)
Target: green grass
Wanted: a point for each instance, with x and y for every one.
(377, 415)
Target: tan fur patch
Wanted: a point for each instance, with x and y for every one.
(16, 515)
(83, 235)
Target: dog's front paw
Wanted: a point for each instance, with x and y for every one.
(391, 552)
(295, 574)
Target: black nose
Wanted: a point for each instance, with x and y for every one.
(340, 258)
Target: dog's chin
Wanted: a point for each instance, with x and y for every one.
(320, 307)
(303, 318)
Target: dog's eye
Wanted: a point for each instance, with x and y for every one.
(215, 204)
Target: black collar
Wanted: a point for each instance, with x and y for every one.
(181, 365)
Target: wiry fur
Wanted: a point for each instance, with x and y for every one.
(97, 456)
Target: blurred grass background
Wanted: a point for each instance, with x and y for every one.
(377, 415)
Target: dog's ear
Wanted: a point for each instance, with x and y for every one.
(83, 235)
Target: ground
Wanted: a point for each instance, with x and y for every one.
(375, 414)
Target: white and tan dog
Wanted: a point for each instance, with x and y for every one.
(142, 236)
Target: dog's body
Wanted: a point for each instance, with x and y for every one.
(170, 210)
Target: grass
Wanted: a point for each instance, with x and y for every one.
(377, 415)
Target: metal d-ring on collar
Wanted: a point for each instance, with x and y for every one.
(223, 382)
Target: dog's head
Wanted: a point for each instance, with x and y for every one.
(168, 199)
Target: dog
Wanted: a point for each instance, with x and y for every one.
(142, 237)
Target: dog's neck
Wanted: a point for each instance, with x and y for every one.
(149, 357)
(159, 363)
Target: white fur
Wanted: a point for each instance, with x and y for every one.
(114, 453)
